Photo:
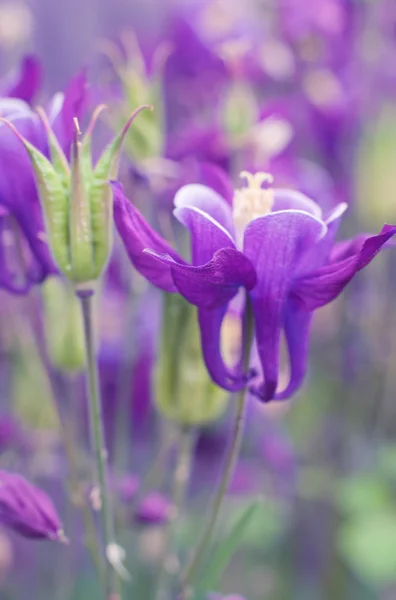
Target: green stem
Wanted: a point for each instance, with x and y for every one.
(98, 441)
(32, 329)
(181, 475)
(189, 572)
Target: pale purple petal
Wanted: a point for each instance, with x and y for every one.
(275, 245)
(138, 235)
(207, 235)
(320, 253)
(285, 199)
(207, 200)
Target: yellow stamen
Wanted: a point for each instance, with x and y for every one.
(252, 201)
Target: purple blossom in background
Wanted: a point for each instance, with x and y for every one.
(25, 83)
(274, 243)
(28, 510)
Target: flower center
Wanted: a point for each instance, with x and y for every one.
(252, 201)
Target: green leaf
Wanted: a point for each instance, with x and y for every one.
(228, 547)
(368, 545)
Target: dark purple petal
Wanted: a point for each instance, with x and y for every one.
(138, 235)
(27, 82)
(27, 509)
(297, 325)
(275, 245)
(207, 235)
(210, 322)
(326, 283)
(214, 283)
(208, 201)
(18, 193)
(65, 107)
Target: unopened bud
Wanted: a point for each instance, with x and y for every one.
(185, 393)
(76, 200)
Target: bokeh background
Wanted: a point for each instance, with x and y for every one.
(324, 462)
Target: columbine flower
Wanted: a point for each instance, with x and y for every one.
(18, 195)
(27, 509)
(272, 242)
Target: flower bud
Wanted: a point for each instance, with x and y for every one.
(139, 85)
(184, 391)
(28, 510)
(76, 200)
(63, 325)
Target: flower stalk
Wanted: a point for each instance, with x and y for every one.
(181, 476)
(188, 575)
(98, 441)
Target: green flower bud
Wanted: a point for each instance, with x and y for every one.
(64, 331)
(146, 139)
(77, 200)
(184, 391)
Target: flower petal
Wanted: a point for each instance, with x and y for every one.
(26, 83)
(137, 235)
(297, 326)
(320, 253)
(285, 199)
(65, 107)
(207, 235)
(207, 200)
(347, 259)
(210, 322)
(213, 284)
(275, 245)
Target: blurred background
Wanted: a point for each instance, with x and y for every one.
(307, 92)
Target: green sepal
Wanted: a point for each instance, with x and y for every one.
(101, 197)
(81, 249)
(54, 202)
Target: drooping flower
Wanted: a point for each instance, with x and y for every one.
(276, 244)
(27, 509)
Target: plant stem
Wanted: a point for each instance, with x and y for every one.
(98, 441)
(189, 572)
(181, 475)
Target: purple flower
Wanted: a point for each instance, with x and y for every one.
(25, 83)
(275, 244)
(18, 193)
(28, 510)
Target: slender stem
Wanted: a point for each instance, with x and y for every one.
(181, 475)
(98, 440)
(231, 457)
(31, 332)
